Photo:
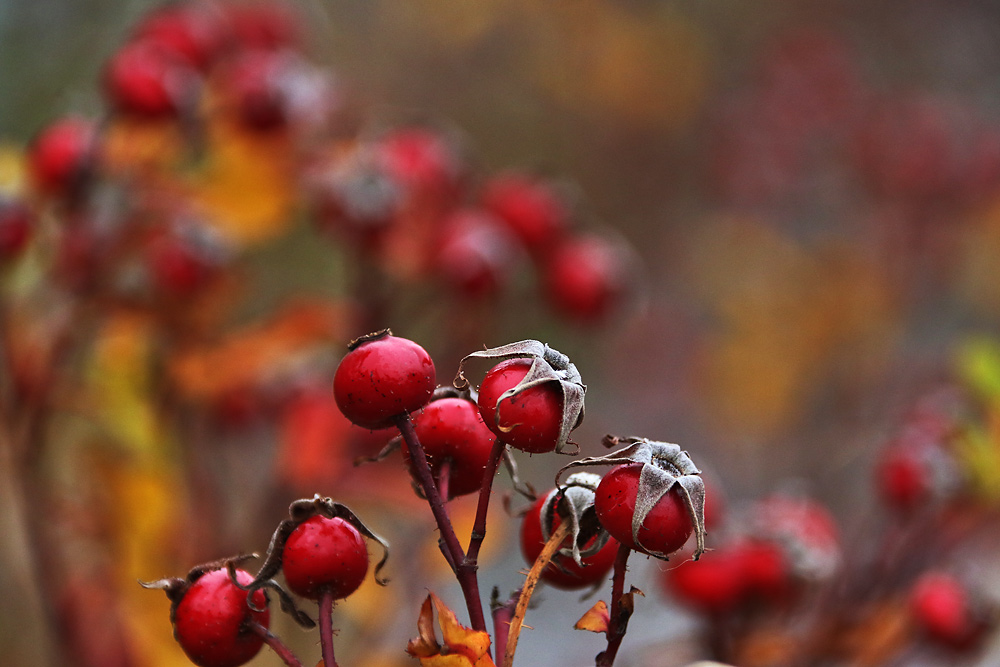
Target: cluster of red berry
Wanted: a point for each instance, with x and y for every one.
(652, 501)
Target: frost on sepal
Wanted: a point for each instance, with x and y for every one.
(665, 465)
(547, 365)
(574, 503)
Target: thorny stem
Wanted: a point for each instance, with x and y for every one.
(275, 644)
(326, 627)
(503, 614)
(485, 489)
(548, 551)
(617, 623)
(465, 573)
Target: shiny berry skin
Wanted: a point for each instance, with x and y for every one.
(382, 377)
(210, 620)
(58, 156)
(585, 279)
(529, 421)
(16, 226)
(530, 207)
(666, 528)
(563, 572)
(324, 554)
(940, 605)
(451, 429)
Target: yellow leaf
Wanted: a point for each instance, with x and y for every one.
(463, 647)
(247, 188)
(596, 619)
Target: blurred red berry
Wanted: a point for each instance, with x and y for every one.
(423, 160)
(59, 156)
(17, 224)
(187, 32)
(323, 554)
(585, 278)
(264, 24)
(145, 82)
(530, 207)
(210, 620)
(255, 87)
(940, 605)
(382, 377)
(714, 584)
(476, 254)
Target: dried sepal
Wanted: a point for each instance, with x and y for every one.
(175, 587)
(547, 365)
(298, 512)
(459, 646)
(665, 465)
(574, 503)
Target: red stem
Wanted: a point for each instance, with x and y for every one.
(464, 572)
(617, 623)
(444, 479)
(485, 489)
(276, 645)
(326, 627)
(502, 616)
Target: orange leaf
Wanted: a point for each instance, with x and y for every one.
(596, 619)
(463, 647)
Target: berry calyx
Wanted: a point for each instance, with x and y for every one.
(653, 500)
(563, 572)
(666, 526)
(451, 430)
(381, 378)
(324, 554)
(529, 420)
(532, 399)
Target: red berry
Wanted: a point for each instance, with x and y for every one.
(16, 225)
(903, 478)
(59, 155)
(382, 377)
(563, 572)
(264, 24)
(452, 430)
(530, 420)
(476, 254)
(210, 621)
(324, 554)
(585, 279)
(716, 583)
(184, 261)
(422, 159)
(143, 81)
(529, 206)
(940, 605)
(667, 526)
(184, 32)
(255, 86)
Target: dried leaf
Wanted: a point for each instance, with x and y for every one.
(462, 647)
(596, 619)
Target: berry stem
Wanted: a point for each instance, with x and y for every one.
(503, 614)
(485, 489)
(465, 573)
(617, 621)
(548, 551)
(444, 477)
(275, 644)
(326, 627)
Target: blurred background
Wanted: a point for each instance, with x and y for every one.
(808, 197)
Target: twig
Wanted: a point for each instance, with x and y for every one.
(548, 551)
(326, 627)
(617, 621)
(275, 644)
(479, 526)
(465, 573)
